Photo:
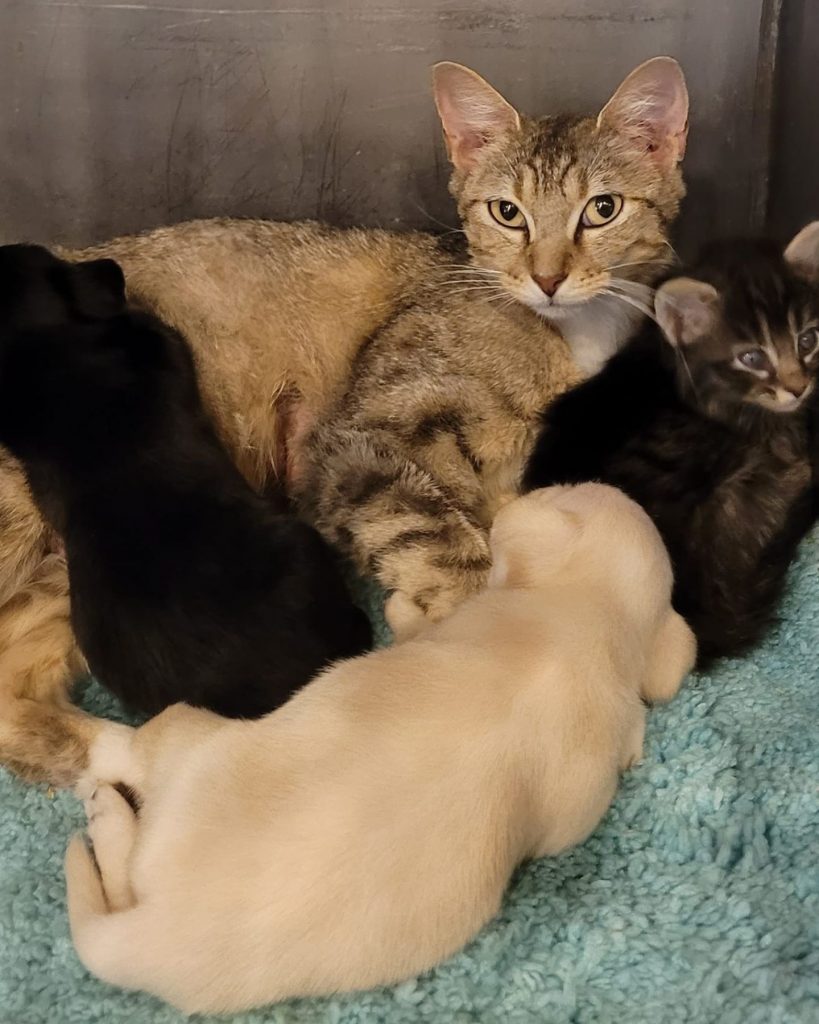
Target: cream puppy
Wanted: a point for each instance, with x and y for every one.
(367, 829)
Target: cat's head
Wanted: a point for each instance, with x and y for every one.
(78, 369)
(558, 211)
(745, 325)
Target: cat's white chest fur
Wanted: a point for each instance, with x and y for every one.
(596, 330)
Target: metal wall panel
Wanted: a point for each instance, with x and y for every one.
(795, 180)
(122, 115)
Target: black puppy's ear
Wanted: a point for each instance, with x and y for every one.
(97, 289)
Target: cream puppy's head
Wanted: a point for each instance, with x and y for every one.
(590, 534)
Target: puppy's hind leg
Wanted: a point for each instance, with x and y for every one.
(673, 657)
(112, 946)
(632, 752)
(112, 829)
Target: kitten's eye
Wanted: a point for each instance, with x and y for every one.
(807, 341)
(507, 213)
(754, 359)
(600, 210)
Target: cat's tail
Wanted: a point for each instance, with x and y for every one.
(108, 944)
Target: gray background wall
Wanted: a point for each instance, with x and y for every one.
(795, 178)
(118, 116)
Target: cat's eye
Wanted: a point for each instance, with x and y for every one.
(807, 341)
(600, 210)
(753, 359)
(507, 214)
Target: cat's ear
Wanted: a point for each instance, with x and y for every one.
(686, 310)
(803, 251)
(650, 108)
(472, 112)
(97, 288)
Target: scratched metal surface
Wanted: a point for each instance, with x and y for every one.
(795, 179)
(118, 116)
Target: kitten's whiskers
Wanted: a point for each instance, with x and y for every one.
(681, 358)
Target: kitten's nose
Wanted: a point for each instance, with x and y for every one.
(549, 285)
(797, 390)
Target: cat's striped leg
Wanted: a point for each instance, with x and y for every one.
(399, 524)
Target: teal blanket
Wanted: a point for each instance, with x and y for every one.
(697, 899)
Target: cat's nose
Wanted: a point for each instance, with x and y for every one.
(549, 285)
(797, 390)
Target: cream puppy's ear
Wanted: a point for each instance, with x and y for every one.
(672, 658)
(532, 539)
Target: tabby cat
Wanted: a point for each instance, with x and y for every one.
(407, 470)
(709, 421)
(443, 358)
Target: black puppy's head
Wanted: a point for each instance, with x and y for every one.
(81, 375)
(39, 290)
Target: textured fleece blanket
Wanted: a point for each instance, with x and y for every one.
(696, 900)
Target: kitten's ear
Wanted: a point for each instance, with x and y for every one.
(650, 108)
(97, 288)
(803, 251)
(472, 112)
(686, 310)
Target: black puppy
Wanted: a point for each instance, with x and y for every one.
(185, 584)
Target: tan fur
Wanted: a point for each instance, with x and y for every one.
(281, 318)
(274, 312)
(368, 829)
(42, 737)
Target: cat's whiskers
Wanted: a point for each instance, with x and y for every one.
(680, 354)
(513, 172)
(450, 230)
(471, 269)
(638, 263)
(483, 287)
(636, 288)
(467, 279)
(459, 279)
(630, 300)
(674, 252)
(464, 279)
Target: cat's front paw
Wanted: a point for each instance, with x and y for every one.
(404, 617)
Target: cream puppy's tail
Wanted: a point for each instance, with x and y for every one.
(106, 943)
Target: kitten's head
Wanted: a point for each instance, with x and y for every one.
(745, 325)
(560, 210)
(79, 371)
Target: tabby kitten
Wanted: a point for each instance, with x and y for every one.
(446, 361)
(709, 421)
(408, 469)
